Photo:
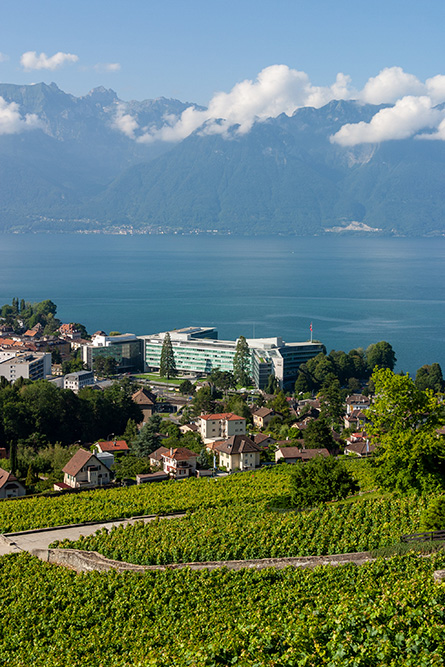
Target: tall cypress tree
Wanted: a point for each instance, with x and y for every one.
(242, 362)
(168, 366)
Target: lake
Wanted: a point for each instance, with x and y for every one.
(354, 290)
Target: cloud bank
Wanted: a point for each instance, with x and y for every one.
(31, 61)
(12, 122)
(279, 89)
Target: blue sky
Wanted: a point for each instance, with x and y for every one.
(190, 49)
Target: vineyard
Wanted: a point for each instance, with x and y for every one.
(385, 613)
(165, 497)
(239, 533)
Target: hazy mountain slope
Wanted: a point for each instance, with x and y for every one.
(75, 153)
(283, 176)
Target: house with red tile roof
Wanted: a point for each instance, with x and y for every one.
(179, 463)
(221, 426)
(112, 447)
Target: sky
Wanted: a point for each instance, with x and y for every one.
(245, 60)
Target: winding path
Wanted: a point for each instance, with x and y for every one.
(42, 538)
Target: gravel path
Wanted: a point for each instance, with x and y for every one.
(41, 539)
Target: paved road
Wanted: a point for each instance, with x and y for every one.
(41, 539)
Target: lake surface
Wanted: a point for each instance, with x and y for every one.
(355, 291)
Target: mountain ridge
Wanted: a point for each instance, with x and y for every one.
(77, 171)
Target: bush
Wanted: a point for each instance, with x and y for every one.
(320, 480)
(434, 516)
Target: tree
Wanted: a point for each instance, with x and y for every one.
(203, 402)
(105, 365)
(203, 460)
(167, 366)
(13, 457)
(242, 362)
(399, 405)
(382, 355)
(238, 405)
(404, 419)
(320, 480)
(148, 439)
(332, 404)
(318, 435)
(130, 466)
(31, 477)
(186, 387)
(302, 383)
(433, 517)
(430, 377)
(272, 384)
(223, 380)
(131, 432)
(56, 357)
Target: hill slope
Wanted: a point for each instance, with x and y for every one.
(77, 170)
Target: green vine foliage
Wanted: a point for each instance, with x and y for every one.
(387, 613)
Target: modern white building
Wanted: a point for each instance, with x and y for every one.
(198, 350)
(78, 380)
(28, 365)
(125, 349)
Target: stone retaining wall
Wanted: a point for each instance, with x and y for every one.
(88, 561)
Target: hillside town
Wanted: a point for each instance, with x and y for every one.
(175, 405)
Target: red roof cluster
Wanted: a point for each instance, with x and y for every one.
(228, 416)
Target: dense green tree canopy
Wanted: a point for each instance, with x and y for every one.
(404, 420)
(59, 415)
(430, 377)
(382, 355)
(318, 435)
(350, 370)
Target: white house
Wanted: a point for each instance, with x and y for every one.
(78, 380)
(84, 470)
(239, 453)
(221, 426)
(179, 463)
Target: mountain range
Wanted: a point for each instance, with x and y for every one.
(75, 170)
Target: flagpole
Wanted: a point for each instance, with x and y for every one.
(311, 331)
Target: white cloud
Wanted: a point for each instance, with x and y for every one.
(12, 122)
(340, 90)
(438, 135)
(31, 61)
(391, 84)
(107, 67)
(436, 88)
(279, 89)
(3, 57)
(125, 123)
(407, 117)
